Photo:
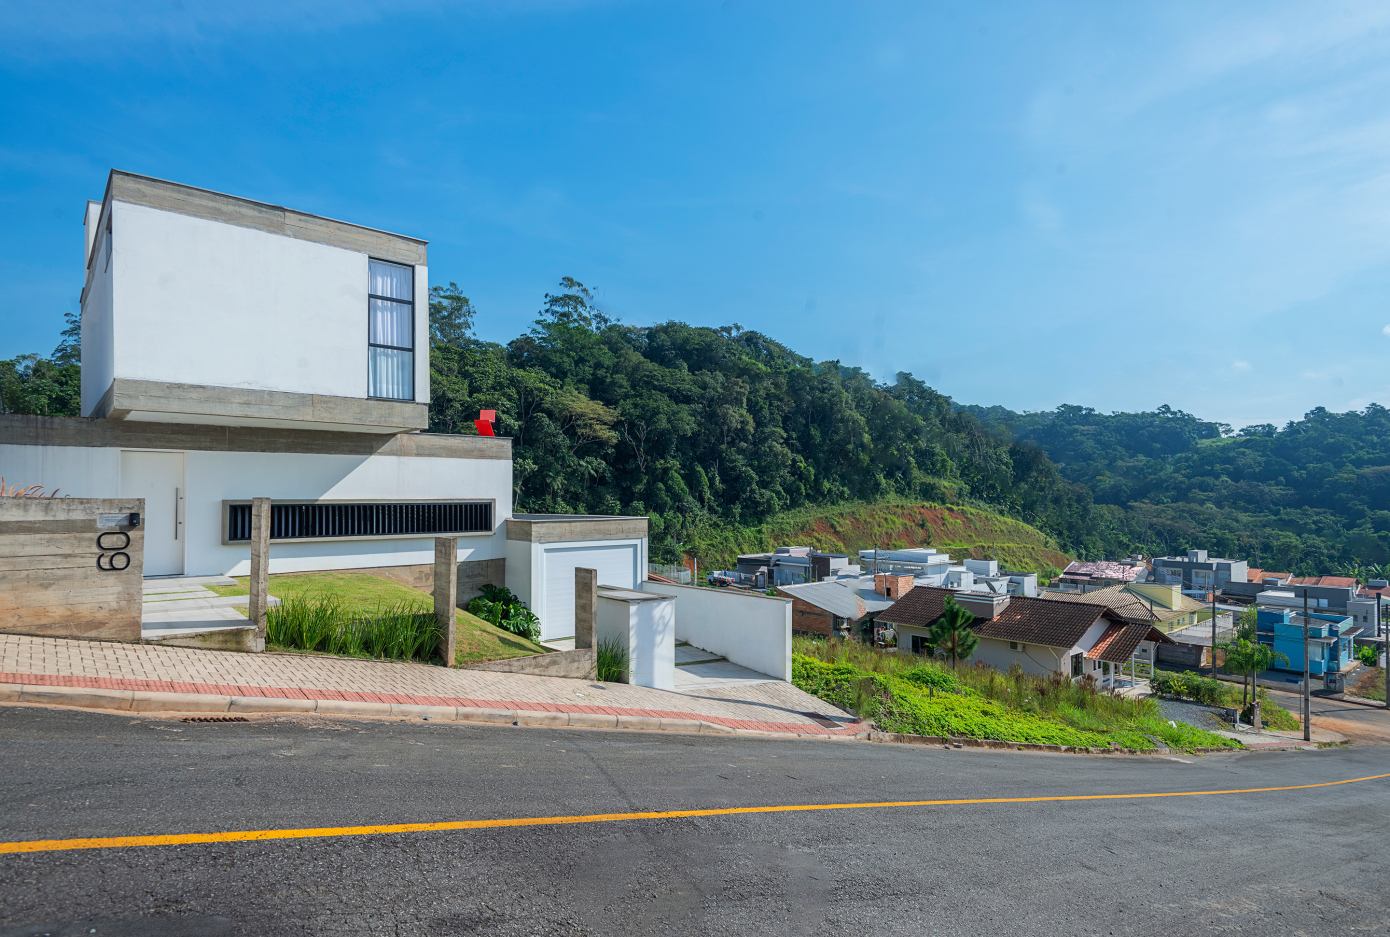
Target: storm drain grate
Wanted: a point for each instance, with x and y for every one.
(215, 719)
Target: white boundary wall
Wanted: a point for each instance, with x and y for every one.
(751, 630)
(211, 477)
(646, 626)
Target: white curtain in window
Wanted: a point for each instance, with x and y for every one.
(391, 374)
(393, 280)
(390, 323)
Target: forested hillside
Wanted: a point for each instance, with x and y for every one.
(690, 424)
(887, 523)
(701, 427)
(1312, 495)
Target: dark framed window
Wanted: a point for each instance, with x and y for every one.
(390, 331)
(1076, 660)
(358, 520)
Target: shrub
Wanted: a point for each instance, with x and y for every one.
(499, 606)
(612, 661)
(1191, 686)
(905, 693)
(322, 623)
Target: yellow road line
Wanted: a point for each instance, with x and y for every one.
(245, 836)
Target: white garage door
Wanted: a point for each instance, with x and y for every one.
(616, 565)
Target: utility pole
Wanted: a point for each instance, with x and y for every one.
(1212, 594)
(1307, 730)
(1385, 648)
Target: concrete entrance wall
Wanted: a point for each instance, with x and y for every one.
(72, 567)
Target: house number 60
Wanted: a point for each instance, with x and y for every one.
(112, 544)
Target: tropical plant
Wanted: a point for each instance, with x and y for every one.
(1248, 659)
(951, 635)
(499, 606)
(1246, 623)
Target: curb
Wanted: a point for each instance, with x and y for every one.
(147, 701)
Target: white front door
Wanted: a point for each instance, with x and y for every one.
(158, 478)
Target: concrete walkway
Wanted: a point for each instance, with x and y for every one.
(150, 677)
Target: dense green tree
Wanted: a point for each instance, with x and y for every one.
(49, 386)
(951, 635)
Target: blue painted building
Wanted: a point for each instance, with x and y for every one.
(1329, 639)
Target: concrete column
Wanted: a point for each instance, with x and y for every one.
(446, 593)
(260, 567)
(585, 607)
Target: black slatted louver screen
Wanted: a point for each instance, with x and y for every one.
(322, 520)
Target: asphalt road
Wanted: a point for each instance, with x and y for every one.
(1289, 862)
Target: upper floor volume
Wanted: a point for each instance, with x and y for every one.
(203, 308)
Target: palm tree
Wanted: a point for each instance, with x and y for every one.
(951, 634)
(1248, 658)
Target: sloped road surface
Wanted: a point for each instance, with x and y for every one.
(1308, 860)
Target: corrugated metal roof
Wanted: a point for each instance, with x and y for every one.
(835, 597)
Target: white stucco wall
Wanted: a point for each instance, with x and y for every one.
(98, 361)
(78, 472)
(203, 302)
(751, 630)
(646, 627)
(1035, 659)
(212, 477)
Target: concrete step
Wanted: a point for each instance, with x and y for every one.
(178, 583)
(688, 655)
(186, 606)
(199, 593)
(195, 620)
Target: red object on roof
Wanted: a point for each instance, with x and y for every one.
(484, 422)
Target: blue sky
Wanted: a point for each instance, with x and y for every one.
(1117, 205)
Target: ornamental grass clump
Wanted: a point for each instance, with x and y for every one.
(322, 623)
(612, 661)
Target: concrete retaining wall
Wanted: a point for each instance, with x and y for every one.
(578, 665)
(71, 567)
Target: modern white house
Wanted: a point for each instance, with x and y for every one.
(233, 349)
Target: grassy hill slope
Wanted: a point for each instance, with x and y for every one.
(848, 528)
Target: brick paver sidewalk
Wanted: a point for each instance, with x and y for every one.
(141, 670)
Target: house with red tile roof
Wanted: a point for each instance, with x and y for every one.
(1043, 637)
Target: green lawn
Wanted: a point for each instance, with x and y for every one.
(364, 593)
